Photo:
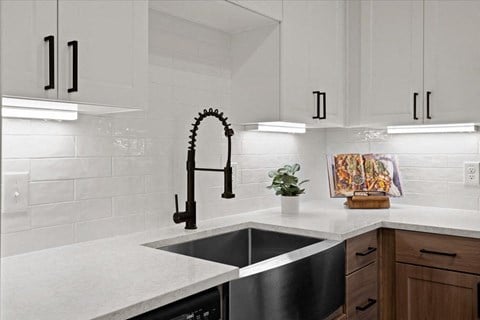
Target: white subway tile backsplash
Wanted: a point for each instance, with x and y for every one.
(37, 239)
(53, 214)
(428, 144)
(35, 146)
(457, 160)
(92, 188)
(93, 209)
(57, 169)
(70, 212)
(50, 191)
(16, 165)
(125, 166)
(94, 146)
(15, 221)
(431, 165)
(129, 147)
(425, 186)
(434, 174)
(422, 160)
(97, 229)
(126, 205)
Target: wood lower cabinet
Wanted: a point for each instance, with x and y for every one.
(362, 295)
(437, 276)
(428, 293)
(361, 269)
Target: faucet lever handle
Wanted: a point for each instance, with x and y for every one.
(176, 202)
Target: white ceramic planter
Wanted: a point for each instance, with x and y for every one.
(290, 205)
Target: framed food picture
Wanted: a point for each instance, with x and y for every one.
(348, 173)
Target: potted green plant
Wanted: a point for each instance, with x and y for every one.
(286, 184)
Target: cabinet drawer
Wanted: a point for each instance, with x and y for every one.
(362, 297)
(447, 252)
(361, 251)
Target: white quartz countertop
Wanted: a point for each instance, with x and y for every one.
(121, 277)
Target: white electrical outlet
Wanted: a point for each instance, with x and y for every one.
(471, 173)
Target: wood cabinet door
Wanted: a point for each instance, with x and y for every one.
(313, 60)
(391, 62)
(428, 293)
(112, 49)
(452, 60)
(25, 51)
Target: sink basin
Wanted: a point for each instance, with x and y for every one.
(243, 247)
(282, 276)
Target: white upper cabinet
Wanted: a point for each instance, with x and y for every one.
(269, 8)
(423, 49)
(391, 86)
(452, 60)
(29, 34)
(102, 51)
(110, 40)
(313, 62)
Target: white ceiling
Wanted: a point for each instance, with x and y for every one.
(217, 14)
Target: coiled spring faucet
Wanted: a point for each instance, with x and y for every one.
(189, 216)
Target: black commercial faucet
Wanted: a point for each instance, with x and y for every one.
(189, 216)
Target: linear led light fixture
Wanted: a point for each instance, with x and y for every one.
(434, 128)
(277, 126)
(38, 109)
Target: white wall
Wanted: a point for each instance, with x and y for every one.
(103, 176)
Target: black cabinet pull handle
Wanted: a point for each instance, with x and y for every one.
(478, 300)
(415, 95)
(51, 62)
(74, 45)
(440, 253)
(324, 104)
(366, 252)
(369, 303)
(429, 93)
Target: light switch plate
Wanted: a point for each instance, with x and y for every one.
(15, 192)
(471, 173)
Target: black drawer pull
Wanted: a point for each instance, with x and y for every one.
(51, 62)
(478, 300)
(366, 252)
(370, 303)
(324, 101)
(429, 93)
(415, 95)
(74, 45)
(448, 254)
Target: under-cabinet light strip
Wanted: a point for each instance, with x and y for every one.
(434, 128)
(277, 126)
(28, 113)
(38, 109)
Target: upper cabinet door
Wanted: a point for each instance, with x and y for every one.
(29, 36)
(103, 51)
(452, 60)
(313, 62)
(391, 76)
(268, 8)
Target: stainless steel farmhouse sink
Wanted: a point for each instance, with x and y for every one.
(282, 276)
